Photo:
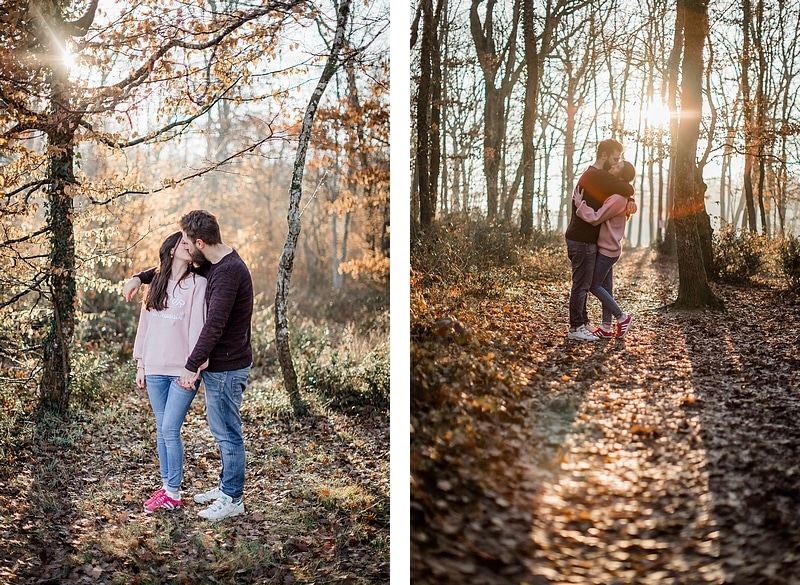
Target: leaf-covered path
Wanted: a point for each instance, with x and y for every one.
(317, 498)
(667, 457)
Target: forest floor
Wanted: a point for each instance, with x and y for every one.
(669, 457)
(316, 497)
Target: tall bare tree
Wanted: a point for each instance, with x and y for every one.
(537, 48)
(500, 73)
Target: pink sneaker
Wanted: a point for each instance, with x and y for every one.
(154, 497)
(161, 500)
(623, 326)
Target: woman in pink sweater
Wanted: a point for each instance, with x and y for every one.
(170, 322)
(611, 217)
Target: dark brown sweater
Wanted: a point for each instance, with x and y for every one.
(597, 186)
(225, 338)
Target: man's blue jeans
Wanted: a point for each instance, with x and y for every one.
(170, 403)
(603, 286)
(582, 256)
(223, 400)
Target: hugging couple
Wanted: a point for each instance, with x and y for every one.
(602, 202)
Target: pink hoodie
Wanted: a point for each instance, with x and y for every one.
(165, 338)
(612, 217)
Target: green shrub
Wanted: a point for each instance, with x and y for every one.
(376, 373)
(344, 368)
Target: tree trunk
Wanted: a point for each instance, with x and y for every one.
(494, 119)
(660, 219)
(673, 63)
(56, 377)
(528, 118)
(336, 276)
(55, 384)
(286, 263)
(435, 143)
(693, 289)
(761, 207)
(427, 199)
(569, 161)
(493, 113)
(761, 112)
(747, 108)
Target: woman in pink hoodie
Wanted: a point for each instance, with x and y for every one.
(611, 217)
(170, 322)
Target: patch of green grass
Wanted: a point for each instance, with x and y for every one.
(266, 398)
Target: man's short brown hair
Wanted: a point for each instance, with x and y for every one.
(201, 225)
(609, 145)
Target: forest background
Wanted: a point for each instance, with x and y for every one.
(115, 120)
(523, 92)
(508, 103)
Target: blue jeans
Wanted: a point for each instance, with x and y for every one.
(603, 286)
(170, 404)
(223, 399)
(582, 256)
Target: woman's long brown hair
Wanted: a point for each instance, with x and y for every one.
(157, 292)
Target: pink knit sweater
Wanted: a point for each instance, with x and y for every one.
(165, 338)
(612, 218)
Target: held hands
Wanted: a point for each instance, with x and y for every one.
(131, 288)
(188, 379)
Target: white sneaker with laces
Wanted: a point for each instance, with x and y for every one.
(223, 507)
(582, 334)
(208, 496)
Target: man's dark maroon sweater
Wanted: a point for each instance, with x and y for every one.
(225, 338)
(597, 186)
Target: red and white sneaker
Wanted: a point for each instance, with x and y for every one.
(601, 333)
(160, 499)
(623, 326)
(154, 497)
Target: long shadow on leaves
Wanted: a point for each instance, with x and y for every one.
(748, 397)
(486, 421)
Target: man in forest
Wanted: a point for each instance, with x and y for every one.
(225, 342)
(597, 185)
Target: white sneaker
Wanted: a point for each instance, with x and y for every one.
(582, 334)
(223, 507)
(208, 496)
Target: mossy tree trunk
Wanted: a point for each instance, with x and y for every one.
(60, 127)
(56, 376)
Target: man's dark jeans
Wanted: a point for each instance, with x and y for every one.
(582, 256)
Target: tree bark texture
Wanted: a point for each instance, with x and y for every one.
(56, 381)
(693, 289)
(427, 197)
(55, 384)
(749, 121)
(673, 65)
(528, 118)
(286, 262)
